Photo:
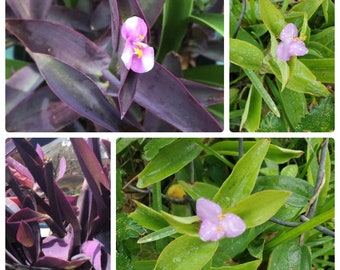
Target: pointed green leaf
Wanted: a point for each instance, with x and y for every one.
(160, 234)
(179, 254)
(168, 161)
(259, 207)
(241, 181)
(184, 225)
(245, 54)
(213, 20)
(271, 16)
(199, 189)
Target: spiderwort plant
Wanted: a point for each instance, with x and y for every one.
(291, 44)
(216, 225)
(137, 56)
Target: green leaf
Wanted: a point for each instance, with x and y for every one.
(301, 190)
(323, 69)
(122, 143)
(168, 161)
(244, 266)
(213, 20)
(304, 81)
(290, 170)
(275, 153)
(290, 255)
(272, 17)
(241, 181)
(295, 107)
(208, 74)
(245, 55)
(198, 190)
(259, 207)
(127, 227)
(160, 234)
(151, 149)
(258, 84)
(308, 7)
(174, 26)
(251, 116)
(186, 252)
(320, 119)
(271, 123)
(183, 225)
(305, 227)
(148, 218)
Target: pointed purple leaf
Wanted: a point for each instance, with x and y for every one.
(21, 85)
(62, 43)
(206, 95)
(60, 248)
(101, 16)
(152, 9)
(115, 24)
(25, 235)
(127, 92)
(73, 18)
(165, 96)
(27, 215)
(62, 168)
(21, 174)
(30, 9)
(78, 91)
(92, 248)
(41, 111)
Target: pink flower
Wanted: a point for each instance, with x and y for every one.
(291, 45)
(136, 55)
(216, 225)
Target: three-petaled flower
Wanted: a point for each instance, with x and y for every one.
(216, 225)
(291, 45)
(136, 55)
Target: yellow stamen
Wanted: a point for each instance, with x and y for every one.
(219, 229)
(138, 52)
(221, 217)
(303, 37)
(295, 38)
(141, 37)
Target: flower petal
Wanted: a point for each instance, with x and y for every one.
(127, 54)
(288, 33)
(134, 28)
(206, 209)
(209, 231)
(282, 51)
(144, 63)
(232, 225)
(298, 48)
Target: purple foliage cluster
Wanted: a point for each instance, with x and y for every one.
(77, 80)
(79, 224)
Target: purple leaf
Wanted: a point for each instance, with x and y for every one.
(115, 24)
(25, 235)
(27, 215)
(92, 248)
(60, 248)
(101, 16)
(42, 111)
(73, 18)
(78, 91)
(21, 85)
(206, 95)
(56, 263)
(152, 9)
(40, 152)
(30, 9)
(62, 168)
(107, 147)
(127, 93)
(165, 96)
(49, 38)
(21, 174)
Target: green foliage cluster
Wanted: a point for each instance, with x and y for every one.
(271, 184)
(267, 94)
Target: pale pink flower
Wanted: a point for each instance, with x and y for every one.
(136, 55)
(291, 45)
(216, 225)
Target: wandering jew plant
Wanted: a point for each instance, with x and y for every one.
(136, 55)
(216, 225)
(291, 44)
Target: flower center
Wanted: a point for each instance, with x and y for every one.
(139, 52)
(141, 37)
(303, 37)
(220, 217)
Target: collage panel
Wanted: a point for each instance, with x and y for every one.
(282, 72)
(58, 200)
(87, 66)
(225, 203)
